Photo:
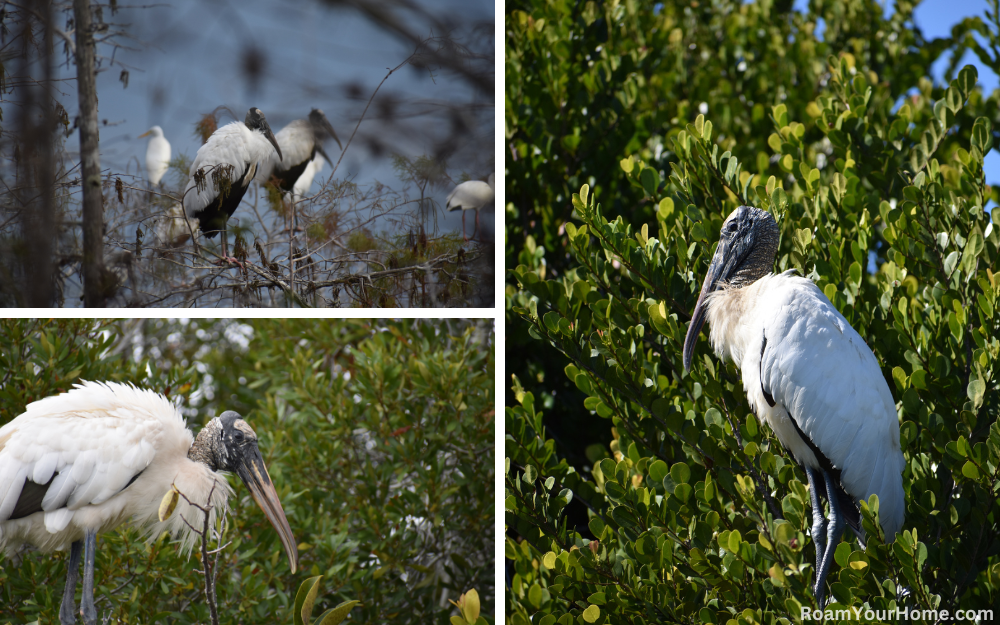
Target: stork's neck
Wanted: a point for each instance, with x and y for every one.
(203, 448)
(731, 319)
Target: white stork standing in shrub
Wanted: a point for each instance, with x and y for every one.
(82, 463)
(809, 374)
(233, 152)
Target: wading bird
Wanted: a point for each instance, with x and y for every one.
(471, 194)
(228, 161)
(300, 142)
(82, 463)
(157, 154)
(809, 374)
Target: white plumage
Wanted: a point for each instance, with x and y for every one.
(821, 374)
(157, 154)
(471, 195)
(82, 463)
(304, 183)
(93, 440)
(809, 375)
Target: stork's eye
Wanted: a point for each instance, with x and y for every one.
(238, 436)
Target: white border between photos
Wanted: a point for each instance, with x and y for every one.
(500, 333)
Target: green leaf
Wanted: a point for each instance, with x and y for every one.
(650, 181)
(950, 261)
(657, 470)
(970, 470)
(598, 598)
(304, 599)
(966, 80)
(982, 138)
(335, 616)
(975, 391)
(734, 541)
(680, 473)
(682, 491)
(591, 614)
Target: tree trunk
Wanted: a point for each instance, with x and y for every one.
(93, 201)
(38, 168)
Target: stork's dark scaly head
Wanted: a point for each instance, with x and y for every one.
(228, 443)
(322, 128)
(747, 245)
(255, 120)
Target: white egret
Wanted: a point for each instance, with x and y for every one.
(471, 195)
(157, 154)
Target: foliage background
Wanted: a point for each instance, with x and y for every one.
(382, 467)
(636, 492)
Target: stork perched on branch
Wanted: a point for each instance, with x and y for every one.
(301, 142)
(82, 463)
(809, 374)
(223, 169)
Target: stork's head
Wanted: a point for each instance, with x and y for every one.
(322, 127)
(255, 120)
(228, 443)
(747, 245)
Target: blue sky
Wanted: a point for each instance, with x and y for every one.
(186, 62)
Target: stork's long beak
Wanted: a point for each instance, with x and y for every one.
(270, 137)
(333, 133)
(145, 134)
(320, 149)
(254, 474)
(719, 270)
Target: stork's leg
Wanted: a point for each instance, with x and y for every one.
(819, 521)
(87, 598)
(67, 611)
(465, 238)
(475, 232)
(834, 531)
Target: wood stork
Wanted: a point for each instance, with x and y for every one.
(228, 161)
(82, 463)
(471, 194)
(301, 141)
(809, 374)
(157, 154)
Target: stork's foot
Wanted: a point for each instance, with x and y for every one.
(229, 260)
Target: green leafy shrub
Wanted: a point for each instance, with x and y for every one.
(694, 512)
